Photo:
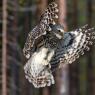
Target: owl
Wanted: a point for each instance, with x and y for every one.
(49, 47)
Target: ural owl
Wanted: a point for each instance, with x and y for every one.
(48, 47)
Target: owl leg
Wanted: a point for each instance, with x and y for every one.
(48, 58)
(50, 55)
(44, 53)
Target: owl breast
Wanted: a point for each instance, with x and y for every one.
(51, 41)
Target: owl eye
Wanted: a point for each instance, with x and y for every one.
(59, 30)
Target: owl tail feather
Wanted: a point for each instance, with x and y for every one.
(38, 74)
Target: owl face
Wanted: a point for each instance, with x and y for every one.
(58, 31)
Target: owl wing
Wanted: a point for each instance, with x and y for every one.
(73, 45)
(48, 17)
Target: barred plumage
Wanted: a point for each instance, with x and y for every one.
(37, 73)
(48, 47)
(73, 45)
(47, 18)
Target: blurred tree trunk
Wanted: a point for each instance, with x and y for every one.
(27, 24)
(93, 57)
(1, 19)
(26, 86)
(10, 50)
(62, 74)
(75, 13)
(90, 69)
(4, 49)
(41, 6)
(63, 13)
(16, 55)
(73, 68)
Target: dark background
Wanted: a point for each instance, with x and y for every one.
(17, 18)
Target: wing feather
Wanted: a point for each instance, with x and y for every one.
(48, 17)
(73, 45)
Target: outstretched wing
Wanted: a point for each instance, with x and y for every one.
(48, 17)
(72, 46)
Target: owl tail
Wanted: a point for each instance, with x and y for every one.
(39, 76)
(45, 79)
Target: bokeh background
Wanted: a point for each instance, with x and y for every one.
(17, 18)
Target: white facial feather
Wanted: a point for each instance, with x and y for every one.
(58, 36)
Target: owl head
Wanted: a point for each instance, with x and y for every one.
(57, 30)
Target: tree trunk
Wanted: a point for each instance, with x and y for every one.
(62, 74)
(42, 5)
(4, 49)
(90, 68)
(10, 51)
(73, 68)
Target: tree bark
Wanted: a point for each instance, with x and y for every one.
(74, 68)
(62, 74)
(90, 68)
(4, 49)
(41, 6)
